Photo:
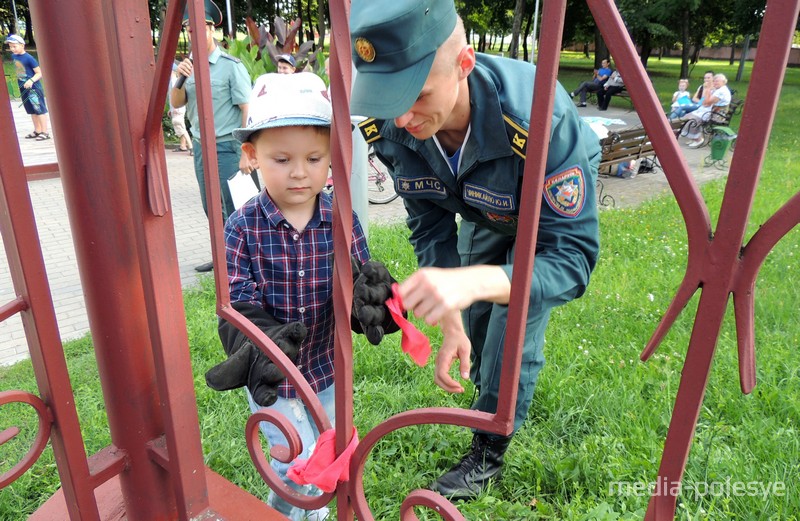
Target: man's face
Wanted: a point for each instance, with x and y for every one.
(209, 34)
(16, 48)
(604, 64)
(434, 105)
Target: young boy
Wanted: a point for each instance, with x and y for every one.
(29, 75)
(279, 248)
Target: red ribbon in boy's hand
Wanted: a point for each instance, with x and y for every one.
(414, 342)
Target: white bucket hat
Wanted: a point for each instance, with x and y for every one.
(286, 100)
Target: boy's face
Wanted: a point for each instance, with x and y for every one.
(285, 68)
(294, 164)
(16, 48)
(682, 85)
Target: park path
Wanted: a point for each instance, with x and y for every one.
(191, 226)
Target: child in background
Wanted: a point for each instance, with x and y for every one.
(682, 95)
(279, 248)
(29, 76)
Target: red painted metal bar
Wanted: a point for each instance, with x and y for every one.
(28, 274)
(722, 262)
(93, 169)
(140, 100)
(341, 162)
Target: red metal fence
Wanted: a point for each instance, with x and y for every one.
(114, 177)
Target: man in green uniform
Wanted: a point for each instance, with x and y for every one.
(452, 127)
(230, 93)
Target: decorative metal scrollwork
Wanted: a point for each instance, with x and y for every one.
(42, 433)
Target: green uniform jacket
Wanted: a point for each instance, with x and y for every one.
(488, 186)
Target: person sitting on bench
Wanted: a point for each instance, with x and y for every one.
(614, 85)
(600, 77)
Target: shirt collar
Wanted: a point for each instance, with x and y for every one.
(273, 215)
(215, 55)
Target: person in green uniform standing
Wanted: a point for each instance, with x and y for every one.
(230, 93)
(451, 125)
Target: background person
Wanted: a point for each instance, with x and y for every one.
(717, 101)
(230, 91)
(614, 85)
(286, 64)
(452, 129)
(599, 79)
(703, 90)
(29, 76)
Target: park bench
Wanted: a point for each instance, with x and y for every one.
(720, 117)
(623, 146)
(628, 144)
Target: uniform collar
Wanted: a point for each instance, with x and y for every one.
(215, 55)
(323, 214)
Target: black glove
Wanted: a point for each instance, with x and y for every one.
(372, 286)
(248, 365)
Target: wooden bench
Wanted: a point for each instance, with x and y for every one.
(629, 144)
(716, 118)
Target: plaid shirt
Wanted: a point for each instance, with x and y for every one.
(290, 275)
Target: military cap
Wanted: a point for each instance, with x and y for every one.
(394, 44)
(213, 13)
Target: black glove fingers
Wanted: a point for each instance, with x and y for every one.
(374, 334)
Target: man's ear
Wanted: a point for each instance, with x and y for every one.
(466, 61)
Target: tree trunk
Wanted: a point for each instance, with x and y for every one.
(600, 49)
(322, 8)
(743, 59)
(519, 11)
(685, 45)
(586, 49)
(647, 47)
(28, 28)
(733, 49)
(525, 34)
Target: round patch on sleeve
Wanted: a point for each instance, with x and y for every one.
(565, 192)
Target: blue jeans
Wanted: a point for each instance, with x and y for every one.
(297, 413)
(228, 155)
(682, 110)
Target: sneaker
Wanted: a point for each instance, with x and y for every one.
(581, 104)
(695, 144)
(321, 514)
(571, 94)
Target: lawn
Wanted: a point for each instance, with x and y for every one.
(599, 416)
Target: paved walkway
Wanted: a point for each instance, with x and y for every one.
(192, 237)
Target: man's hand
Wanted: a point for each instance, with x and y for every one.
(185, 67)
(247, 365)
(372, 286)
(455, 346)
(432, 293)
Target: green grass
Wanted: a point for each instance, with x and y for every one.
(599, 415)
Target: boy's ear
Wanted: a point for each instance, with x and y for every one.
(249, 150)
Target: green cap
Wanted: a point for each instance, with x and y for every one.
(213, 14)
(394, 44)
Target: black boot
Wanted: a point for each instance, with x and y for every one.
(483, 463)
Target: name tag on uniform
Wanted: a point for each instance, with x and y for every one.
(483, 197)
(416, 186)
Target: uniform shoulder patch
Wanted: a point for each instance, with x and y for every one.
(517, 136)
(565, 192)
(370, 129)
(231, 58)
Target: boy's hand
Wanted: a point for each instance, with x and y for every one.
(372, 286)
(248, 365)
